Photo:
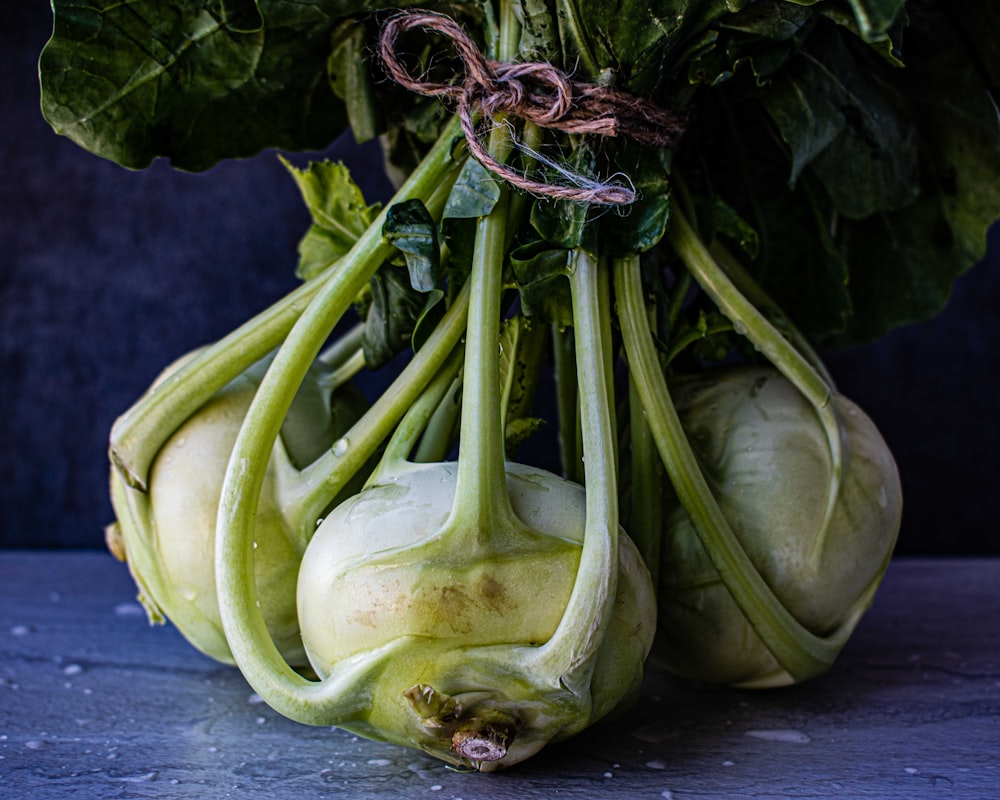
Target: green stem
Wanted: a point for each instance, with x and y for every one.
(439, 435)
(566, 404)
(341, 695)
(745, 283)
(138, 435)
(646, 517)
(344, 348)
(750, 322)
(305, 498)
(417, 418)
(570, 653)
(801, 653)
(481, 497)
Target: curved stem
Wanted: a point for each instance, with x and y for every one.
(341, 695)
(570, 653)
(416, 419)
(751, 323)
(756, 295)
(138, 435)
(305, 498)
(801, 653)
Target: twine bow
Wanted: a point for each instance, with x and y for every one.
(536, 92)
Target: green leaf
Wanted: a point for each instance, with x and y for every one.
(339, 212)
(412, 230)
(193, 80)
(849, 124)
(392, 317)
(905, 261)
(475, 193)
(540, 272)
(641, 225)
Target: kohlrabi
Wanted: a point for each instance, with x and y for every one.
(766, 459)
(168, 532)
(799, 187)
(418, 597)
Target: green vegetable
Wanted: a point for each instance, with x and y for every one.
(168, 533)
(765, 457)
(818, 197)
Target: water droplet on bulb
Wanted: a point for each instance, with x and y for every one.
(340, 447)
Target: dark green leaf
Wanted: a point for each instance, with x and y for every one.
(392, 315)
(843, 119)
(195, 81)
(412, 230)
(134, 81)
(641, 225)
(475, 193)
(540, 272)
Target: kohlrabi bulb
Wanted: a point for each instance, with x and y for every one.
(463, 620)
(765, 456)
(175, 520)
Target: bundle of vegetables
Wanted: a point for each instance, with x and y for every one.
(663, 206)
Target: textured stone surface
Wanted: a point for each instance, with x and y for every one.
(94, 703)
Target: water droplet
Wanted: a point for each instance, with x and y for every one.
(255, 699)
(180, 441)
(72, 669)
(379, 762)
(20, 630)
(911, 770)
(437, 787)
(128, 610)
(728, 763)
(255, 545)
(340, 447)
(657, 764)
(739, 327)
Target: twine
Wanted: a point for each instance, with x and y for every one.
(536, 92)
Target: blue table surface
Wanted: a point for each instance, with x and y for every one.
(95, 703)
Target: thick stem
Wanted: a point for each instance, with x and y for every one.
(750, 322)
(801, 653)
(341, 695)
(570, 653)
(305, 498)
(481, 497)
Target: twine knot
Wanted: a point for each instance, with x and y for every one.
(536, 92)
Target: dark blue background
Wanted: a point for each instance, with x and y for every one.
(107, 275)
